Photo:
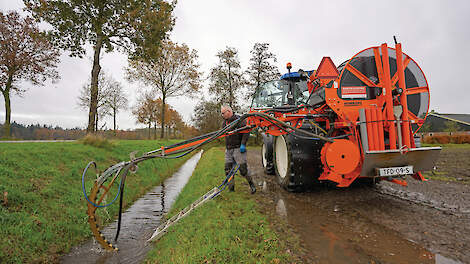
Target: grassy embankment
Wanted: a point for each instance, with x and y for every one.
(42, 208)
(228, 229)
(453, 163)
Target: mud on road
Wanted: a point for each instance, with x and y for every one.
(426, 222)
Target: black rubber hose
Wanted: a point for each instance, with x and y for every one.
(123, 181)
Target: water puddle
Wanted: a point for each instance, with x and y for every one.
(332, 231)
(138, 223)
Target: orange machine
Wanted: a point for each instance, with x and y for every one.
(371, 106)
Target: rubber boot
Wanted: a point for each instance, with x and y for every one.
(252, 187)
(244, 172)
(231, 184)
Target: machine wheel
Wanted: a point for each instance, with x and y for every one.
(282, 161)
(297, 162)
(267, 154)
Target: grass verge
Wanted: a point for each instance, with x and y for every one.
(446, 146)
(452, 164)
(228, 229)
(42, 208)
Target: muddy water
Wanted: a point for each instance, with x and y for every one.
(353, 225)
(138, 223)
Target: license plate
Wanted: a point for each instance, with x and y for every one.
(393, 171)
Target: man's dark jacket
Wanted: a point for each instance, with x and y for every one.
(234, 141)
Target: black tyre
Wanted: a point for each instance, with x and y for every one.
(282, 161)
(297, 162)
(267, 154)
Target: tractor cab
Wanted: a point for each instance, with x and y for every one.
(276, 93)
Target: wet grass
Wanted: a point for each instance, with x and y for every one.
(446, 146)
(228, 229)
(42, 209)
(438, 175)
(452, 165)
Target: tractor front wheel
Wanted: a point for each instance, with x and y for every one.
(282, 158)
(267, 154)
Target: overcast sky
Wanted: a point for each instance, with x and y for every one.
(436, 34)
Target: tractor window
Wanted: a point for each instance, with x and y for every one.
(274, 93)
(301, 92)
(270, 94)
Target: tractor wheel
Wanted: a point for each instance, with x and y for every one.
(297, 162)
(267, 154)
(282, 161)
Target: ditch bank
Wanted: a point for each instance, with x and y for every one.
(138, 223)
(42, 208)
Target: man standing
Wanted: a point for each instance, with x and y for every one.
(235, 148)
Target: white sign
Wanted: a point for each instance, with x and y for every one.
(393, 171)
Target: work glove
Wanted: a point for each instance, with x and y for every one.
(242, 148)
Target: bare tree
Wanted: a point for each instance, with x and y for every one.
(116, 99)
(226, 78)
(25, 54)
(172, 73)
(104, 90)
(261, 67)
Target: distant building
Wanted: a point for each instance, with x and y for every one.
(436, 122)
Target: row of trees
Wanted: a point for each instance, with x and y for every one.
(138, 28)
(47, 132)
(230, 84)
(37, 131)
(135, 27)
(149, 111)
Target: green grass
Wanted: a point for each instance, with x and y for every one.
(228, 229)
(44, 215)
(452, 165)
(438, 175)
(464, 146)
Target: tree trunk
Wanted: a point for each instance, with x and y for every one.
(96, 121)
(150, 129)
(162, 133)
(94, 85)
(155, 130)
(6, 125)
(114, 119)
